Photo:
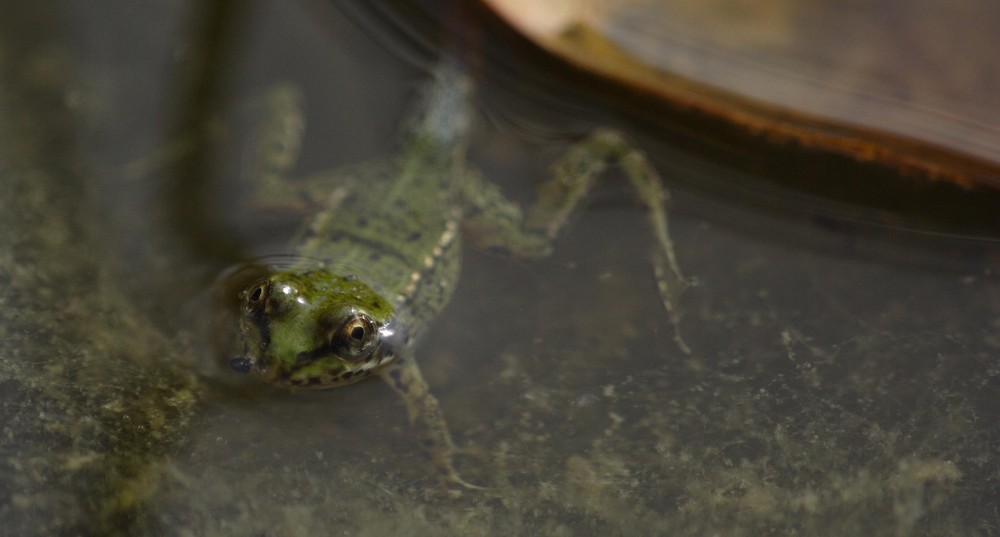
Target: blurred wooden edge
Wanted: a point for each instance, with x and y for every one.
(571, 38)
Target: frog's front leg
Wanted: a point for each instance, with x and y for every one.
(276, 122)
(426, 418)
(496, 224)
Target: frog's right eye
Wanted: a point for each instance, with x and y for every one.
(255, 296)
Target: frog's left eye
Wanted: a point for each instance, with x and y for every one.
(356, 337)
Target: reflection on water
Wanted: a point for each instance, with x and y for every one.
(842, 381)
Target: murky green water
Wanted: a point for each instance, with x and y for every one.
(844, 378)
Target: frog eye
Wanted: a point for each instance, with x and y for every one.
(355, 337)
(255, 296)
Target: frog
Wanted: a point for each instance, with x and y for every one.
(379, 256)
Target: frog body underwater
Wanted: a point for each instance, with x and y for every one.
(380, 258)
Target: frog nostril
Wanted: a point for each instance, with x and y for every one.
(240, 364)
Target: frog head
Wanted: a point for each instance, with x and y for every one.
(314, 329)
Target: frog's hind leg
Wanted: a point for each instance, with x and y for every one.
(425, 417)
(649, 187)
(495, 224)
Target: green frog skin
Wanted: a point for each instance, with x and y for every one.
(380, 257)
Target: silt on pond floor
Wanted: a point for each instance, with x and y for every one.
(827, 393)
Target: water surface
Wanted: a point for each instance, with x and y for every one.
(843, 376)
